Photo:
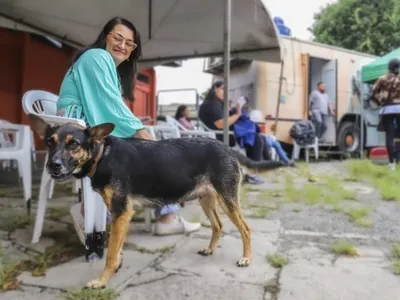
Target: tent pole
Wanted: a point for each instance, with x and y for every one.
(227, 58)
(278, 104)
(361, 127)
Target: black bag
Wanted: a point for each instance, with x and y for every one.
(303, 132)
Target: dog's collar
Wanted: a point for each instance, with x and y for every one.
(96, 160)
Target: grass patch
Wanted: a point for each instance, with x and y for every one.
(15, 221)
(357, 215)
(60, 190)
(8, 276)
(344, 248)
(396, 258)
(277, 261)
(66, 247)
(260, 212)
(326, 190)
(92, 294)
(387, 182)
(57, 213)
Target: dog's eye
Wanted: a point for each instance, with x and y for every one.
(74, 145)
(50, 142)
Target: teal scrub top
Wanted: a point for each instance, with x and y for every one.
(91, 91)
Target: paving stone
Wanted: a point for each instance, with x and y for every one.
(78, 272)
(348, 278)
(194, 288)
(30, 295)
(24, 238)
(223, 262)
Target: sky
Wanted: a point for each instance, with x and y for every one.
(191, 76)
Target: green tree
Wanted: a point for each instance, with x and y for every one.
(371, 26)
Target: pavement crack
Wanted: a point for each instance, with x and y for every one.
(150, 280)
(272, 287)
(42, 287)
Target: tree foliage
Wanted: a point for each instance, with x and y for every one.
(370, 26)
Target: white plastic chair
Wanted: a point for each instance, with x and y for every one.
(173, 122)
(20, 150)
(5, 141)
(43, 104)
(297, 148)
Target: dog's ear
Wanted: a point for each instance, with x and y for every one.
(38, 125)
(99, 132)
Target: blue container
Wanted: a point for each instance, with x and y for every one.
(282, 28)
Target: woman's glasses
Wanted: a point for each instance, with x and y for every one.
(119, 39)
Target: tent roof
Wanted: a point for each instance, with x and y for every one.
(378, 67)
(170, 29)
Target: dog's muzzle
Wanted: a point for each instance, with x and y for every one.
(56, 169)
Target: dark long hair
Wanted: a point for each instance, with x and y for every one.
(127, 69)
(211, 93)
(394, 66)
(180, 111)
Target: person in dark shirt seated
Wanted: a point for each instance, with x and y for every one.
(211, 113)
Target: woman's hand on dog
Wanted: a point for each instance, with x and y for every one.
(143, 134)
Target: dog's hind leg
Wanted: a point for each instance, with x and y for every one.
(119, 229)
(209, 204)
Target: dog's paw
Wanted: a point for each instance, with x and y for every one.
(243, 262)
(96, 284)
(204, 252)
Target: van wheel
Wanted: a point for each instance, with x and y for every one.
(349, 138)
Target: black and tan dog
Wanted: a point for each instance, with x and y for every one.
(131, 173)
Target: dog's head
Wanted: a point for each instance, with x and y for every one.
(69, 146)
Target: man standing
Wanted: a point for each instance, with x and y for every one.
(320, 106)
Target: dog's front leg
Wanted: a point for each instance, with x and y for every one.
(119, 229)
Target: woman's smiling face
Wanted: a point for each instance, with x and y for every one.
(120, 43)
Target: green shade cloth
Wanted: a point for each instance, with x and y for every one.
(378, 67)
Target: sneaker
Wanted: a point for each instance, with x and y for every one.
(178, 226)
(252, 179)
(392, 166)
(79, 221)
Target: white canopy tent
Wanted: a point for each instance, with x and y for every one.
(170, 29)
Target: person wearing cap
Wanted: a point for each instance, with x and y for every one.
(386, 94)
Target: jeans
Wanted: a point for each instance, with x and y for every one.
(319, 121)
(391, 125)
(278, 148)
(166, 209)
(259, 151)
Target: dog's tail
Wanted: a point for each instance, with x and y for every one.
(258, 166)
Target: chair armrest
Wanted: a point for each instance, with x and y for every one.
(189, 133)
(222, 132)
(56, 120)
(13, 127)
(19, 132)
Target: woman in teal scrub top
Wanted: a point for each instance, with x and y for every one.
(93, 90)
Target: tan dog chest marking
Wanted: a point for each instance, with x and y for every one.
(107, 195)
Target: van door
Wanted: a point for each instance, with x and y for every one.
(329, 77)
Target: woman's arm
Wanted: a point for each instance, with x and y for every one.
(143, 134)
(97, 82)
